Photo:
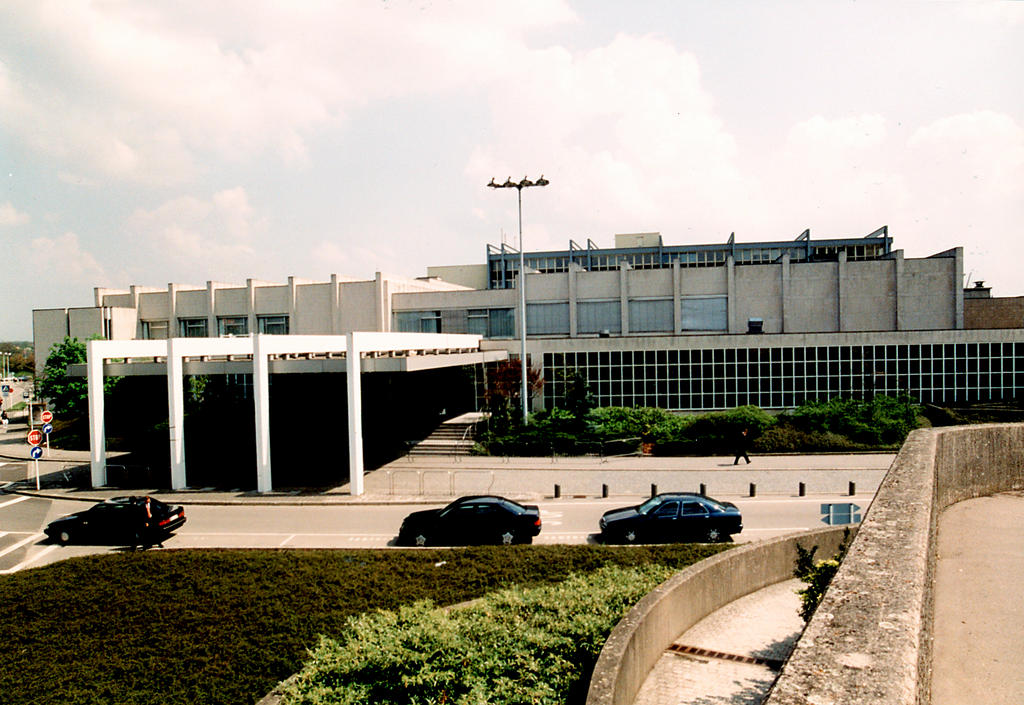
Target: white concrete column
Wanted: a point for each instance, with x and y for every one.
(211, 310)
(899, 290)
(841, 292)
(677, 301)
(571, 274)
(176, 412)
(173, 327)
(335, 305)
(731, 303)
(786, 327)
(624, 298)
(97, 426)
(353, 370)
(293, 311)
(250, 305)
(261, 403)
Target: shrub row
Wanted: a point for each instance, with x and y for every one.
(840, 424)
(536, 645)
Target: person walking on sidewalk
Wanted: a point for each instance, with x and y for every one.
(741, 446)
(4, 420)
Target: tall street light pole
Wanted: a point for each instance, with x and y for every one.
(525, 183)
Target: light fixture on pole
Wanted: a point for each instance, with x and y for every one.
(525, 183)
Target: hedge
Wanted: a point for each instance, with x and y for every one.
(536, 645)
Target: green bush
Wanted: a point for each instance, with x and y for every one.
(818, 576)
(882, 420)
(203, 627)
(536, 645)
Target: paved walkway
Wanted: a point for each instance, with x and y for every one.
(979, 615)
(730, 657)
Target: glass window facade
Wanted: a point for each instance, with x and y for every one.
(273, 325)
(154, 330)
(547, 319)
(488, 322)
(232, 325)
(785, 377)
(650, 316)
(704, 313)
(192, 328)
(598, 316)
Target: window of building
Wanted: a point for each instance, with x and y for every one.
(192, 327)
(232, 325)
(547, 319)
(704, 313)
(154, 330)
(273, 325)
(598, 316)
(650, 316)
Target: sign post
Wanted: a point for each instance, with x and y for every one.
(35, 437)
(46, 417)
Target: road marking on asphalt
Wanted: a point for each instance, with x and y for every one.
(9, 502)
(28, 561)
(19, 544)
(287, 540)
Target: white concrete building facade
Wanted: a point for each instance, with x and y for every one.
(686, 328)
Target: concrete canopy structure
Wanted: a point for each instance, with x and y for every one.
(262, 352)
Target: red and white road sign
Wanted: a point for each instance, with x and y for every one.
(46, 416)
(35, 437)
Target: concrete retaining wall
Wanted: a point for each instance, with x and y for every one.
(638, 641)
(871, 639)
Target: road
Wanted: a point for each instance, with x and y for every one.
(571, 521)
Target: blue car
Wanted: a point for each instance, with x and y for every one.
(672, 517)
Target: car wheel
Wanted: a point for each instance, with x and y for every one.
(420, 540)
(714, 535)
(64, 537)
(507, 538)
(629, 536)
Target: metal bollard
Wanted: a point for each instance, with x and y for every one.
(604, 491)
(558, 491)
(654, 489)
(703, 490)
(801, 489)
(853, 488)
(753, 490)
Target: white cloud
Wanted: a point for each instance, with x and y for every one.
(148, 92)
(10, 216)
(627, 134)
(216, 236)
(64, 260)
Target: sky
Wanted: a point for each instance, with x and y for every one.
(146, 143)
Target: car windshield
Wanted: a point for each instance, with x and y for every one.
(650, 504)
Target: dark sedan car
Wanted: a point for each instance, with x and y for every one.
(673, 516)
(471, 521)
(133, 521)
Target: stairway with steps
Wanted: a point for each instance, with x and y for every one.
(453, 437)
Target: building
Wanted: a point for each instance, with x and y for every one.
(686, 328)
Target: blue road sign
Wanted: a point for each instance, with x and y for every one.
(36, 452)
(47, 428)
(839, 514)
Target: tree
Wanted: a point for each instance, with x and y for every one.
(68, 396)
(504, 391)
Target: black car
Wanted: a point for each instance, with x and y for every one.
(134, 521)
(471, 521)
(672, 516)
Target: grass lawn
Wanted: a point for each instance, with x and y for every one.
(192, 627)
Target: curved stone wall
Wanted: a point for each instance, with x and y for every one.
(871, 639)
(637, 642)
